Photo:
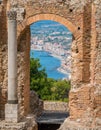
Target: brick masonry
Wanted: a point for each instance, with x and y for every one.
(83, 18)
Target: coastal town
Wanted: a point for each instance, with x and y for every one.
(55, 40)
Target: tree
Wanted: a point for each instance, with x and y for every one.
(38, 76)
(60, 90)
(47, 88)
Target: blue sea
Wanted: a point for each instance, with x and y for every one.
(48, 62)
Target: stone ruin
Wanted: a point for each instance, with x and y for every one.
(83, 19)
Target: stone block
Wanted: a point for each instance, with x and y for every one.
(11, 113)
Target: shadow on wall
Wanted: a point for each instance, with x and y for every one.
(87, 15)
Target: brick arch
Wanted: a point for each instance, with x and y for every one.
(24, 29)
(52, 17)
(35, 18)
(80, 66)
(24, 44)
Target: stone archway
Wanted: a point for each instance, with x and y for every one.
(26, 30)
(39, 17)
(86, 50)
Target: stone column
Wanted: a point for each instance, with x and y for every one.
(11, 108)
(12, 58)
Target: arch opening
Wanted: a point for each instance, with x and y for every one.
(51, 44)
(24, 40)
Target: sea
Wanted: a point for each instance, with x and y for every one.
(50, 63)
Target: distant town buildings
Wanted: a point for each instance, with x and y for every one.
(55, 39)
(56, 50)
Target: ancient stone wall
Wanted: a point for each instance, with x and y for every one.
(98, 42)
(24, 72)
(83, 19)
(87, 99)
(36, 11)
(97, 81)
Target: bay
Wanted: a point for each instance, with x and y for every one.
(50, 63)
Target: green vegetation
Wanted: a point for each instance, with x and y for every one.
(47, 88)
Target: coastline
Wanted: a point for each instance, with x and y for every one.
(60, 69)
(54, 55)
(50, 53)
